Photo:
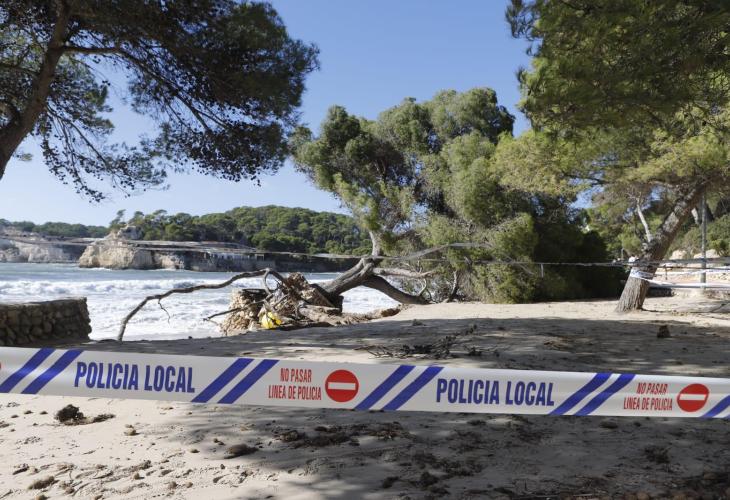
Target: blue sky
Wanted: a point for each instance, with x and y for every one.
(373, 54)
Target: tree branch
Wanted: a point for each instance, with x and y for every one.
(191, 289)
(640, 213)
(403, 273)
(380, 284)
(91, 50)
(11, 136)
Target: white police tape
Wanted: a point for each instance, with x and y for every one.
(309, 384)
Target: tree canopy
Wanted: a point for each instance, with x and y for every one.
(619, 63)
(221, 80)
(423, 174)
(267, 228)
(629, 102)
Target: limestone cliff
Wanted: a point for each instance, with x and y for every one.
(16, 246)
(124, 249)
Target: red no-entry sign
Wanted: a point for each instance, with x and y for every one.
(341, 386)
(693, 397)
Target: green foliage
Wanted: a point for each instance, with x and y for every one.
(718, 237)
(426, 174)
(59, 229)
(221, 79)
(621, 63)
(623, 173)
(267, 228)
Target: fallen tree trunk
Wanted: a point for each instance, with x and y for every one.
(637, 286)
(363, 274)
(295, 302)
(190, 289)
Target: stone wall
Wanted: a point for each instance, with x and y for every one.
(31, 322)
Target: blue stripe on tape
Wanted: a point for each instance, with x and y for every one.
(27, 368)
(247, 381)
(718, 408)
(386, 386)
(596, 382)
(621, 382)
(48, 375)
(219, 383)
(412, 388)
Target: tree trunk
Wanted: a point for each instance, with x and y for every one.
(634, 293)
(13, 133)
(363, 274)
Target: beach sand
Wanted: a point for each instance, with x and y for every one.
(173, 450)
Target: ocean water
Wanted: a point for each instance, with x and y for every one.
(112, 294)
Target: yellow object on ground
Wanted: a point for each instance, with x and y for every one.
(269, 320)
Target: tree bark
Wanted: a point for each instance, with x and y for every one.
(380, 284)
(363, 274)
(634, 292)
(647, 231)
(698, 217)
(12, 134)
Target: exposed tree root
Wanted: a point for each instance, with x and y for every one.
(295, 303)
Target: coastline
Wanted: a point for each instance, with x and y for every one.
(381, 455)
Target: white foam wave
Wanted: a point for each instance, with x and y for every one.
(112, 294)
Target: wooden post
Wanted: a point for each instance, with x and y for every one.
(703, 275)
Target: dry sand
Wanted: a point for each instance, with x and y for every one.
(152, 449)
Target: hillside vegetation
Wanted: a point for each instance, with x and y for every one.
(272, 228)
(59, 229)
(268, 228)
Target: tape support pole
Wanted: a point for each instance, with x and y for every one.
(311, 384)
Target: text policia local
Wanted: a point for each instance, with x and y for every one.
(488, 392)
(155, 378)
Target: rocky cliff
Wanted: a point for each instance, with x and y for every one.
(16, 246)
(125, 250)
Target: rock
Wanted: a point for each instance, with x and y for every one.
(238, 450)
(608, 424)
(194, 450)
(20, 468)
(710, 254)
(663, 332)
(69, 413)
(171, 485)
(39, 484)
(679, 255)
(657, 454)
(131, 431)
(643, 495)
(291, 436)
(427, 479)
(389, 481)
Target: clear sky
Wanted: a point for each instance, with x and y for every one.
(373, 54)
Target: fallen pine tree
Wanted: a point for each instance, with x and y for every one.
(296, 303)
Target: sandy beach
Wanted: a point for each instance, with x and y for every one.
(162, 450)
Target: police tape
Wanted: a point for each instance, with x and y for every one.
(309, 384)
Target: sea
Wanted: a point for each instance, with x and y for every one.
(111, 294)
